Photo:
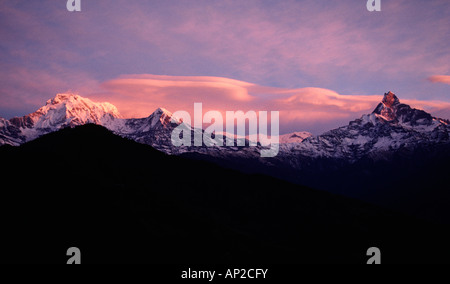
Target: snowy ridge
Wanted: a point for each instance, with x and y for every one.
(156, 131)
(296, 137)
(390, 127)
(160, 119)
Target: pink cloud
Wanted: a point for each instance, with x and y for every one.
(303, 108)
(440, 79)
(137, 95)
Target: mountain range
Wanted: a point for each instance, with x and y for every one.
(392, 142)
(391, 126)
(68, 110)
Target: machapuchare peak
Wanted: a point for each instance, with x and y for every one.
(390, 99)
(387, 108)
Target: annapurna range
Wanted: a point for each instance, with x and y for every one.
(391, 126)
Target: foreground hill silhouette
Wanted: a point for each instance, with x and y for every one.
(120, 201)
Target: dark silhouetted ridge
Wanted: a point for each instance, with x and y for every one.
(120, 201)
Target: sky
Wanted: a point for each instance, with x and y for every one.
(320, 63)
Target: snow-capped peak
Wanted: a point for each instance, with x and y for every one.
(388, 107)
(162, 117)
(390, 127)
(72, 110)
(64, 110)
(390, 100)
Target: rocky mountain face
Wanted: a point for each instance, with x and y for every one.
(9, 134)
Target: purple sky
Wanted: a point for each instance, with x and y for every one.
(337, 46)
